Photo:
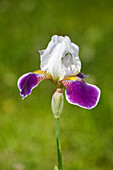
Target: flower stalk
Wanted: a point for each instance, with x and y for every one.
(57, 104)
(57, 128)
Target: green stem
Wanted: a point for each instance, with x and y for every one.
(57, 128)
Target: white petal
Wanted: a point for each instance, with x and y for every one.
(41, 52)
(60, 58)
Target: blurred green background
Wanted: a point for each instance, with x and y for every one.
(27, 135)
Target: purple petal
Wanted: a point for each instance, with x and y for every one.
(82, 94)
(27, 82)
(81, 75)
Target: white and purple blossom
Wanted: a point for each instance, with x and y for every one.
(60, 63)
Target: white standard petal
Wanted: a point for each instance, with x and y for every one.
(60, 58)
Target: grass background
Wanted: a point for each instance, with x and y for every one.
(27, 135)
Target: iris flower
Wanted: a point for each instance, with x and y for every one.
(61, 65)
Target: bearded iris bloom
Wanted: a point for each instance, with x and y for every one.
(60, 63)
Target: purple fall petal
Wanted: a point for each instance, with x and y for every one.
(82, 94)
(27, 82)
(81, 75)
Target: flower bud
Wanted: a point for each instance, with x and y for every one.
(57, 102)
